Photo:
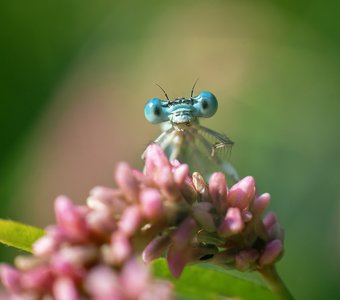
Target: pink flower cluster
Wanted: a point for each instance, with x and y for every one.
(93, 252)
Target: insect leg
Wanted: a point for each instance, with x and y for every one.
(161, 140)
(171, 142)
(224, 141)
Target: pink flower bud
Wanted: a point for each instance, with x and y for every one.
(184, 232)
(63, 266)
(82, 255)
(57, 233)
(10, 278)
(247, 216)
(127, 182)
(130, 220)
(242, 193)
(180, 251)
(218, 191)
(120, 248)
(260, 204)
(177, 258)
(45, 246)
(269, 220)
(102, 198)
(175, 163)
(28, 262)
(102, 283)
(39, 279)
(159, 290)
(70, 219)
(202, 214)
(276, 232)
(103, 193)
(101, 222)
(232, 223)
(159, 169)
(271, 253)
(134, 278)
(48, 244)
(64, 288)
(166, 181)
(156, 248)
(155, 160)
(180, 173)
(152, 206)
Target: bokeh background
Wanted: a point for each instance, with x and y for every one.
(75, 74)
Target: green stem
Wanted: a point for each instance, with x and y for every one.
(272, 277)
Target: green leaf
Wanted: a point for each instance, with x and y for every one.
(211, 282)
(19, 235)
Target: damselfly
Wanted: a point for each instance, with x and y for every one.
(183, 138)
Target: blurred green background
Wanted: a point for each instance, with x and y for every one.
(74, 77)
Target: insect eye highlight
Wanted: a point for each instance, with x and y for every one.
(206, 104)
(153, 111)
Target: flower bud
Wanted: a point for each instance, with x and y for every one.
(218, 191)
(242, 193)
(10, 278)
(121, 248)
(70, 218)
(156, 248)
(65, 288)
(271, 252)
(152, 205)
(130, 220)
(103, 283)
(260, 203)
(232, 223)
(202, 214)
(127, 182)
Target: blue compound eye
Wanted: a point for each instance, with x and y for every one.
(206, 104)
(153, 111)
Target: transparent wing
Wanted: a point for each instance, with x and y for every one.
(220, 144)
(204, 150)
(213, 150)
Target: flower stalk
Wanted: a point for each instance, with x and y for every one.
(271, 276)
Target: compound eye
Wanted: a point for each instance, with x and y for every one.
(153, 111)
(206, 105)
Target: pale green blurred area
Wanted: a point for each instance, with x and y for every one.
(74, 77)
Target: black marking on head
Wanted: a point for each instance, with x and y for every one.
(157, 111)
(181, 101)
(205, 104)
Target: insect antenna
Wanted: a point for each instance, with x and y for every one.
(192, 90)
(163, 91)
